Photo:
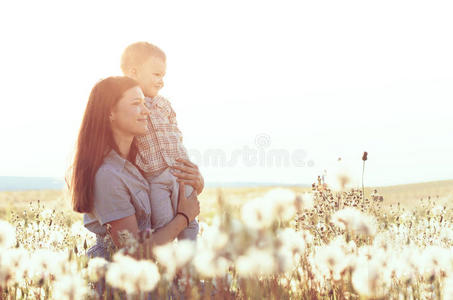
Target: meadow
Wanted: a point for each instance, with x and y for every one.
(255, 243)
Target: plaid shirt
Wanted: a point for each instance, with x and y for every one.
(159, 148)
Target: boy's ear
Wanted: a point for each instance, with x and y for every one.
(133, 72)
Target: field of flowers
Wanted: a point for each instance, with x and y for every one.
(273, 243)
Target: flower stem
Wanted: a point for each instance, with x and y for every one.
(363, 187)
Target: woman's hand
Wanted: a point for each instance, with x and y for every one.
(189, 206)
(189, 174)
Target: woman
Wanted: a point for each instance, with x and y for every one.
(107, 186)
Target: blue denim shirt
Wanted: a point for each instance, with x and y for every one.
(120, 191)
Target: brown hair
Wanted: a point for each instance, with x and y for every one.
(96, 139)
(137, 53)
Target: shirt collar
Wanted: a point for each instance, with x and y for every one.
(117, 162)
(152, 101)
(114, 159)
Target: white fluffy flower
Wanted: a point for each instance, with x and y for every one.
(330, 261)
(369, 279)
(433, 260)
(292, 240)
(277, 204)
(97, 267)
(70, 287)
(147, 275)
(291, 248)
(56, 237)
(256, 262)
(354, 220)
(131, 275)
(283, 203)
(208, 264)
(340, 177)
(174, 255)
(448, 288)
(77, 229)
(47, 213)
(304, 201)
(437, 210)
(14, 264)
(257, 213)
(213, 237)
(7, 235)
(44, 263)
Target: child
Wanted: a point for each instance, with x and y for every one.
(158, 149)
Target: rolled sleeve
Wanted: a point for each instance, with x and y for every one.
(112, 200)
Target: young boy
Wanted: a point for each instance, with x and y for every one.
(162, 145)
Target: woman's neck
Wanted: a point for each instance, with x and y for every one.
(124, 142)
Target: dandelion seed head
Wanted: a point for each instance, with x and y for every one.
(307, 236)
(208, 264)
(280, 195)
(77, 229)
(7, 235)
(304, 201)
(44, 262)
(213, 237)
(129, 241)
(330, 261)
(97, 267)
(131, 275)
(292, 240)
(174, 255)
(46, 214)
(434, 260)
(147, 276)
(368, 280)
(257, 213)
(203, 226)
(255, 261)
(401, 268)
(283, 202)
(70, 287)
(448, 288)
(437, 210)
(13, 264)
(354, 220)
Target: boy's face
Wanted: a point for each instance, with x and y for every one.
(150, 76)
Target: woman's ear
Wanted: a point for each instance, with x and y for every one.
(111, 116)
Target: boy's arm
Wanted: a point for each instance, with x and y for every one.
(171, 113)
(189, 174)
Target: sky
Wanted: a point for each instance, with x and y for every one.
(264, 91)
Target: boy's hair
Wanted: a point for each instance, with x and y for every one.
(137, 53)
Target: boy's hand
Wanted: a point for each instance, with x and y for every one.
(189, 174)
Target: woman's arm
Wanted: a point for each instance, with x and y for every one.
(163, 235)
(190, 206)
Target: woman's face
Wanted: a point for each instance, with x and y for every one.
(129, 115)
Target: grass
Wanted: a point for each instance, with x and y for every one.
(324, 251)
(407, 195)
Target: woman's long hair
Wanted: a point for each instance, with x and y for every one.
(95, 139)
